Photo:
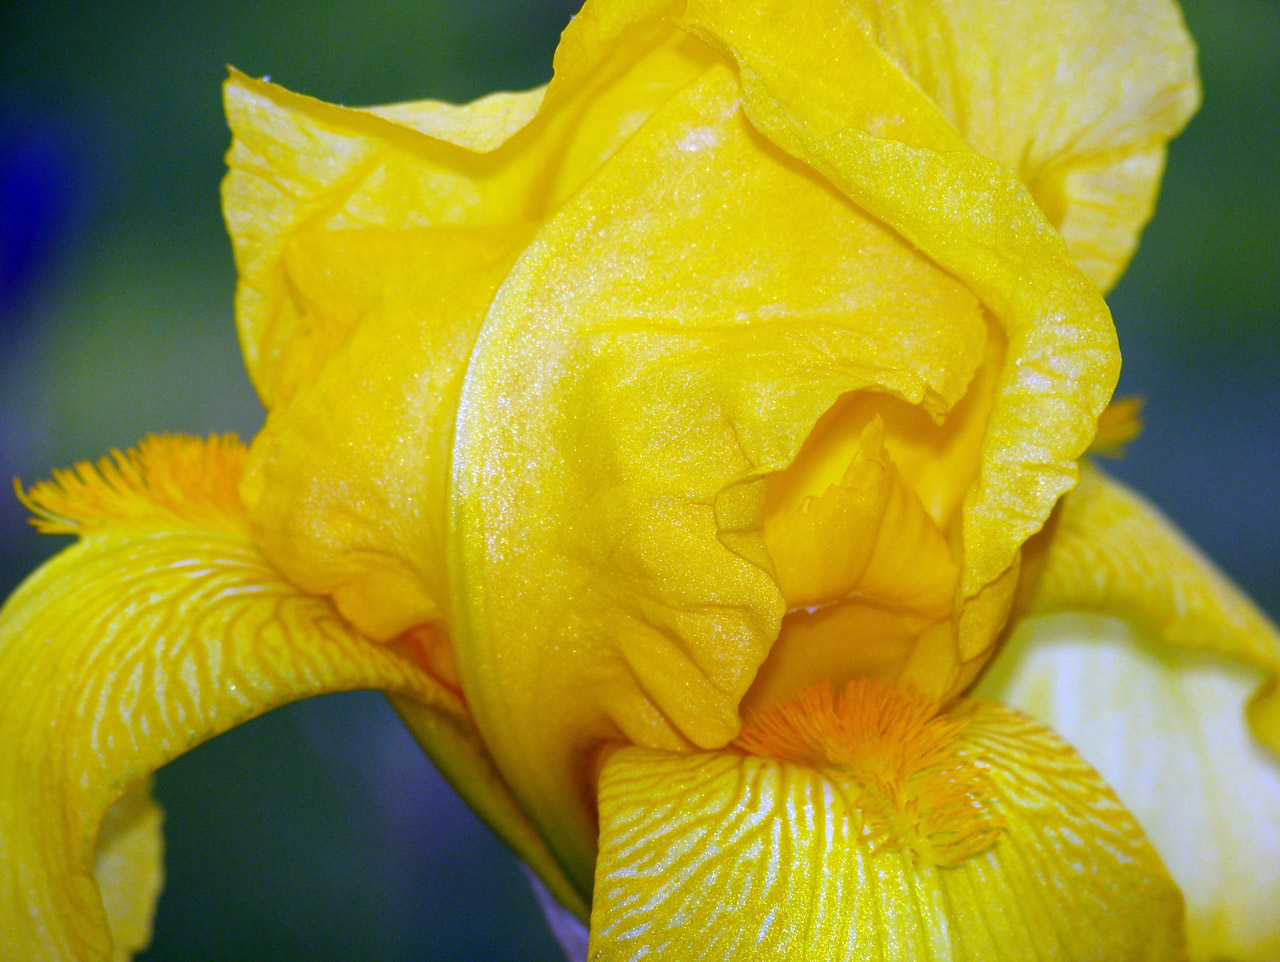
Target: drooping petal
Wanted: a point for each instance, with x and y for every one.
(128, 867)
(860, 120)
(712, 856)
(161, 627)
(1108, 551)
(1165, 728)
(668, 338)
(1154, 694)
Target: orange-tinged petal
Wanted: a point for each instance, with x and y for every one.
(1108, 551)
(667, 340)
(839, 642)
(160, 628)
(866, 125)
(1165, 728)
(708, 856)
(1118, 426)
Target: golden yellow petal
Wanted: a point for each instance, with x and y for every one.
(157, 630)
(347, 483)
(1165, 728)
(859, 119)
(1077, 97)
(668, 339)
(867, 534)
(711, 856)
(839, 642)
(1109, 551)
(298, 164)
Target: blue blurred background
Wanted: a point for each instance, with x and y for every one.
(320, 832)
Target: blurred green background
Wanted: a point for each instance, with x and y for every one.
(320, 832)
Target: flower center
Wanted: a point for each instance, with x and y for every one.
(895, 758)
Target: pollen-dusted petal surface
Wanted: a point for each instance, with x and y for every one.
(157, 630)
(1166, 729)
(716, 856)
(667, 339)
(866, 125)
(1109, 551)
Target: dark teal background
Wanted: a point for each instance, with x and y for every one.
(320, 832)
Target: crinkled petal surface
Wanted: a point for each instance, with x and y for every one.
(299, 164)
(619, 303)
(1165, 728)
(867, 126)
(1080, 113)
(161, 627)
(712, 856)
(668, 338)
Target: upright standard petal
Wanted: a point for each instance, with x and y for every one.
(832, 851)
(667, 340)
(299, 164)
(861, 121)
(1081, 113)
(161, 627)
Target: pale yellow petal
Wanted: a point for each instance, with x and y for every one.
(712, 856)
(128, 867)
(161, 627)
(1109, 551)
(667, 340)
(1166, 729)
(860, 120)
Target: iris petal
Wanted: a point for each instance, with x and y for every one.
(667, 339)
(1080, 114)
(863, 123)
(1165, 728)
(712, 856)
(1108, 551)
(161, 627)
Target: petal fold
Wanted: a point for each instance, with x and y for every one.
(299, 164)
(1081, 113)
(712, 856)
(867, 126)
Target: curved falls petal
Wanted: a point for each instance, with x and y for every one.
(161, 627)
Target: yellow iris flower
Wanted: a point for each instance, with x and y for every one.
(677, 444)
